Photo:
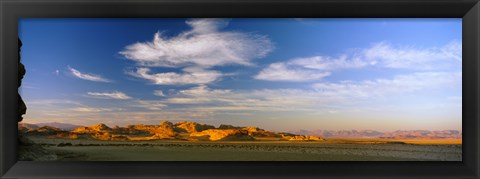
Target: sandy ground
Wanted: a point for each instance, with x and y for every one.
(88, 150)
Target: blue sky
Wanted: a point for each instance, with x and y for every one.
(278, 74)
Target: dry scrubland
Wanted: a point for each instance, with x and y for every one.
(190, 141)
(259, 150)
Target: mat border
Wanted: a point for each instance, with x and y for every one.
(12, 10)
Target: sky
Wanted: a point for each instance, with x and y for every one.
(278, 74)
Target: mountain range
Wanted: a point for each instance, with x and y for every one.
(193, 131)
(189, 131)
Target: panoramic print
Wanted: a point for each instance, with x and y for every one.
(241, 89)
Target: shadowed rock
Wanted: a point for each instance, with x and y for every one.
(25, 127)
(192, 127)
(224, 134)
(22, 108)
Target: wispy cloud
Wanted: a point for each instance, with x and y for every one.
(322, 95)
(198, 95)
(111, 95)
(86, 76)
(387, 55)
(189, 76)
(158, 93)
(385, 87)
(283, 72)
(383, 55)
(204, 45)
(149, 104)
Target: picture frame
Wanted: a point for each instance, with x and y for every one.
(12, 10)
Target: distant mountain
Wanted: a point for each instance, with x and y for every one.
(63, 126)
(399, 134)
(45, 130)
(24, 127)
(189, 131)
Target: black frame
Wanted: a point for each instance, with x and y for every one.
(11, 10)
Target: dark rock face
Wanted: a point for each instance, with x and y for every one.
(22, 108)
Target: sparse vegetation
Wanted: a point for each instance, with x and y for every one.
(193, 141)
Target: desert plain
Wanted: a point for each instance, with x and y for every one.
(197, 142)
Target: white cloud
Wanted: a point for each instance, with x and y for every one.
(150, 104)
(384, 87)
(158, 93)
(386, 55)
(282, 72)
(204, 45)
(328, 63)
(188, 100)
(189, 76)
(86, 76)
(331, 96)
(112, 95)
(203, 90)
(381, 54)
(198, 95)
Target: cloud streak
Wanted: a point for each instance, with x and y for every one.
(112, 95)
(189, 76)
(322, 95)
(87, 76)
(381, 55)
(284, 72)
(386, 87)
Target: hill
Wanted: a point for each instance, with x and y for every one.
(24, 127)
(63, 126)
(188, 131)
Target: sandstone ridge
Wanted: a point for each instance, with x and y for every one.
(185, 130)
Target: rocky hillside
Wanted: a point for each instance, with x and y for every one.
(62, 126)
(190, 131)
(25, 127)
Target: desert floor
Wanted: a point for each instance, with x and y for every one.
(330, 150)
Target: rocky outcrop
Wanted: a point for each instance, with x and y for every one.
(225, 126)
(257, 132)
(192, 127)
(45, 130)
(22, 108)
(165, 130)
(92, 129)
(191, 131)
(63, 126)
(224, 134)
(25, 127)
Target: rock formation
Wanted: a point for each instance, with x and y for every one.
(192, 127)
(185, 130)
(224, 134)
(45, 130)
(22, 108)
(25, 127)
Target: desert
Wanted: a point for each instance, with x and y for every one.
(191, 141)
